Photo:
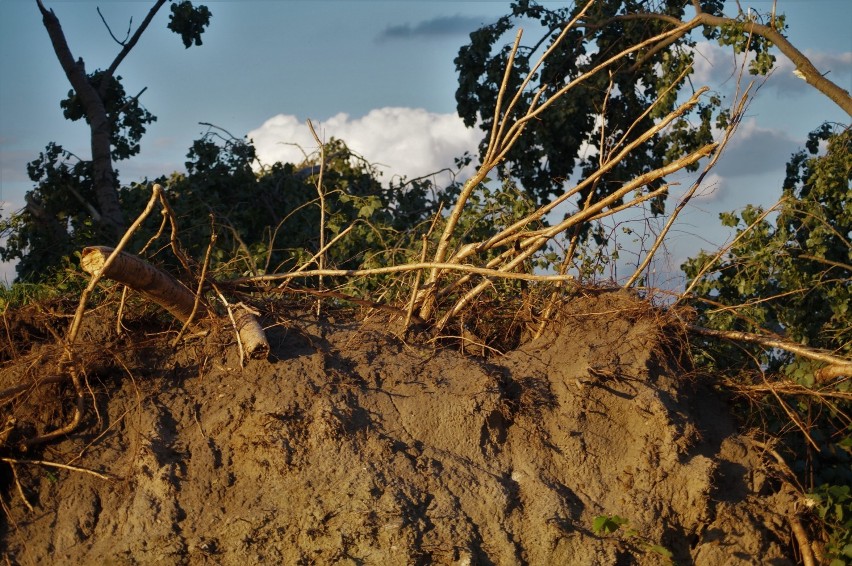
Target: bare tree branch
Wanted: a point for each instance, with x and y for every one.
(803, 65)
(109, 29)
(133, 40)
(768, 342)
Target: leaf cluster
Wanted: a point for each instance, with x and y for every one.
(269, 219)
(833, 505)
(189, 22)
(56, 221)
(611, 524)
(549, 154)
(127, 118)
(791, 273)
(600, 113)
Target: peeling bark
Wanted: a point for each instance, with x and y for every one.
(252, 335)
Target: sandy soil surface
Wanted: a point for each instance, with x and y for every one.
(350, 445)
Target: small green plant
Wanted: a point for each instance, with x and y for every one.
(610, 524)
(833, 505)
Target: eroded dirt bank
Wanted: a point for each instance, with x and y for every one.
(350, 446)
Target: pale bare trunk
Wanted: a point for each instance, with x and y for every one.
(161, 288)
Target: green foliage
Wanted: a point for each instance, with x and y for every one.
(189, 21)
(61, 214)
(610, 524)
(126, 117)
(65, 281)
(268, 220)
(20, 294)
(489, 210)
(737, 36)
(56, 221)
(548, 152)
(791, 273)
(833, 505)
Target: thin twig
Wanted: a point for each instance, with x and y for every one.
(56, 465)
(724, 249)
(75, 328)
(19, 486)
(416, 289)
(118, 316)
(234, 323)
(321, 193)
(173, 241)
(735, 120)
(81, 307)
(322, 250)
(402, 269)
(200, 288)
(15, 389)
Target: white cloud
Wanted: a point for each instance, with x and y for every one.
(713, 64)
(407, 142)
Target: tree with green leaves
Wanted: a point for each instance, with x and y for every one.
(789, 272)
(786, 279)
(117, 121)
(644, 50)
(76, 198)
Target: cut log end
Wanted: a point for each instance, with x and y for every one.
(160, 287)
(252, 335)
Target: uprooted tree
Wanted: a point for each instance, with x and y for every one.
(476, 253)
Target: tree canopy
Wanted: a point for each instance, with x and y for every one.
(74, 200)
(644, 50)
(788, 272)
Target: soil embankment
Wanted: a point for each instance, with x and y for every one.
(352, 446)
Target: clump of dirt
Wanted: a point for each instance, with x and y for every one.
(352, 445)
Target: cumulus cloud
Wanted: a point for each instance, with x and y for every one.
(408, 142)
(713, 64)
(441, 26)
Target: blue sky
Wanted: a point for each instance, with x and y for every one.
(378, 74)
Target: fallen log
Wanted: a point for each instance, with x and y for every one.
(163, 289)
(252, 336)
(154, 283)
